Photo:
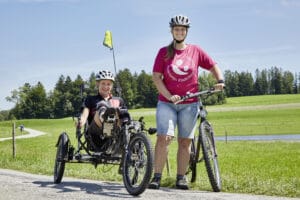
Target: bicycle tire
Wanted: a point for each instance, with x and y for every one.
(138, 164)
(210, 155)
(60, 160)
(194, 156)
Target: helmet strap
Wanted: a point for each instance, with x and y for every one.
(179, 41)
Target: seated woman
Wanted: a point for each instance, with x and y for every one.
(97, 109)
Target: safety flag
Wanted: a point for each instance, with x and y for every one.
(108, 40)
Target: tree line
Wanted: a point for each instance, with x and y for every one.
(138, 91)
(272, 81)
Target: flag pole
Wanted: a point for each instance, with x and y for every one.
(113, 51)
(109, 43)
(118, 88)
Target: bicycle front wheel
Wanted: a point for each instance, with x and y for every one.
(210, 155)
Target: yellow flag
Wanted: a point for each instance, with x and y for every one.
(108, 40)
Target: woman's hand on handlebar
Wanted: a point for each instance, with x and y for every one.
(174, 98)
(219, 86)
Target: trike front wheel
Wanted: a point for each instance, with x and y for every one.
(137, 166)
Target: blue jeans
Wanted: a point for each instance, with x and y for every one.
(169, 115)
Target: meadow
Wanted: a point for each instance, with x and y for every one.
(6, 129)
(257, 167)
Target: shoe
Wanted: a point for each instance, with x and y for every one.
(182, 184)
(155, 183)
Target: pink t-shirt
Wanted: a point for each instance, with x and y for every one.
(180, 74)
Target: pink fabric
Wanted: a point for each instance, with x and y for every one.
(181, 73)
(114, 103)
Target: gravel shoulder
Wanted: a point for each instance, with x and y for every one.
(16, 185)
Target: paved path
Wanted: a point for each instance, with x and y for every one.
(291, 137)
(32, 133)
(15, 185)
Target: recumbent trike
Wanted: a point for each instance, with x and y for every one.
(124, 143)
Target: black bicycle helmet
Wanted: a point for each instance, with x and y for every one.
(180, 20)
(105, 75)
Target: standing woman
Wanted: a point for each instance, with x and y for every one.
(175, 72)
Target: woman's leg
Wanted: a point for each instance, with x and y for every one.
(187, 119)
(166, 118)
(183, 155)
(161, 152)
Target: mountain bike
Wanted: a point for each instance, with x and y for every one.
(204, 141)
(124, 143)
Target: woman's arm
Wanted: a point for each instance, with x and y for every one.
(215, 70)
(158, 82)
(84, 116)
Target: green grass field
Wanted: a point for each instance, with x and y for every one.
(261, 167)
(7, 127)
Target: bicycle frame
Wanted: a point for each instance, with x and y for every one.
(204, 142)
(203, 114)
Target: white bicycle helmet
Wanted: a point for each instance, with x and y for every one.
(105, 75)
(180, 20)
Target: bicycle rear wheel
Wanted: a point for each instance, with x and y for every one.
(194, 157)
(210, 155)
(193, 163)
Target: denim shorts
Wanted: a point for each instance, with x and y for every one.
(169, 115)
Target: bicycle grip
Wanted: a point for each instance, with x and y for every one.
(151, 131)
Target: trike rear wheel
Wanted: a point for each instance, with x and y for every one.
(61, 155)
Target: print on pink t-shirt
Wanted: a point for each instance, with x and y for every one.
(180, 74)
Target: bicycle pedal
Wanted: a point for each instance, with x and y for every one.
(78, 156)
(97, 153)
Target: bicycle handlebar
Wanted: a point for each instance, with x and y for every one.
(191, 95)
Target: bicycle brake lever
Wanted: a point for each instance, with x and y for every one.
(182, 98)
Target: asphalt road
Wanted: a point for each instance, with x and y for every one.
(15, 185)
